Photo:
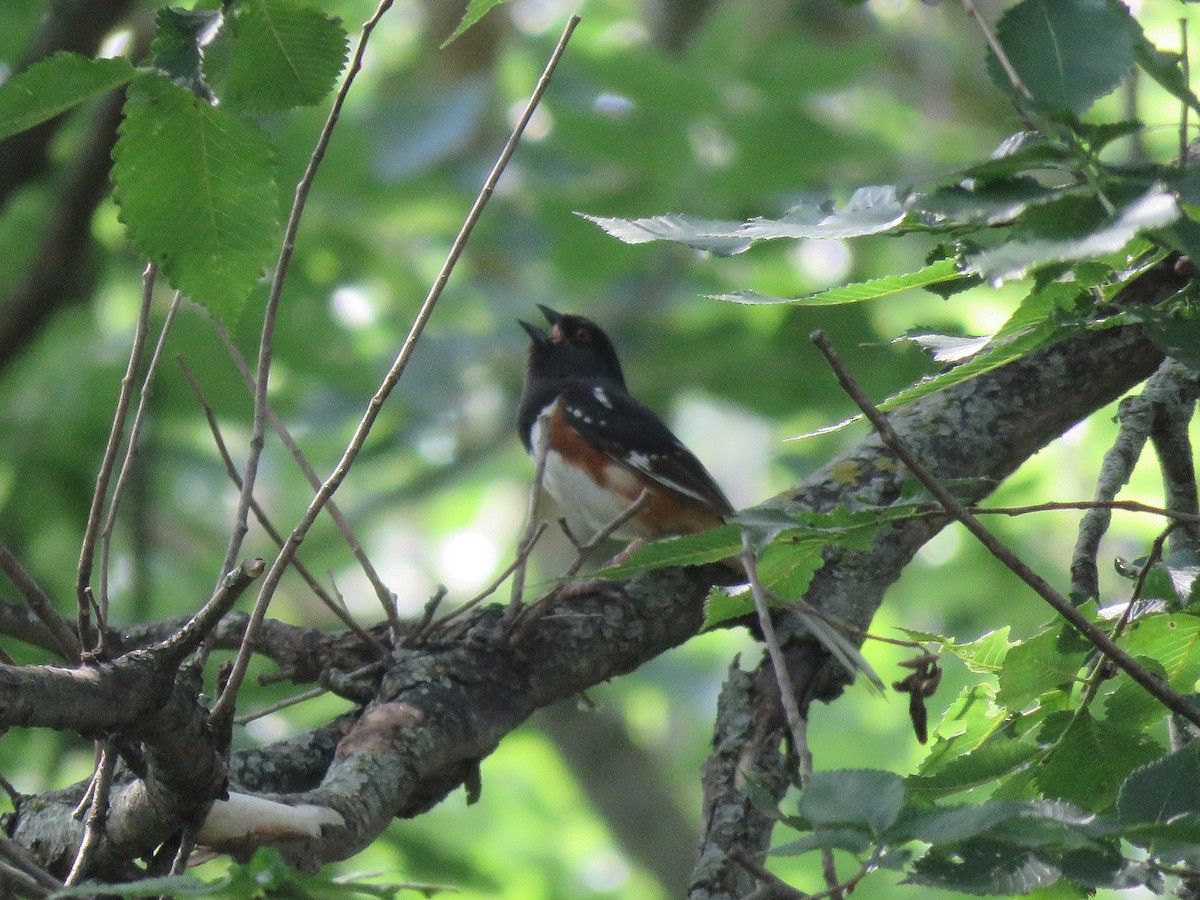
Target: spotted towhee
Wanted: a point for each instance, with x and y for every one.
(605, 448)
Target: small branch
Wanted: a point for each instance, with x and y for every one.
(135, 431)
(998, 49)
(525, 546)
(338, 609)
(267, 335)
(386, 599)
(192, 634)
(97, 814)
(303, 696)
(787, 691)
(223, 710)
(60, 629)
(1185, 64)
(21, 860)
(1153, 685)
(522, 621)
(87, 553)
(778, 888)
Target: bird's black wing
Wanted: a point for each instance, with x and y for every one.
(630, 433)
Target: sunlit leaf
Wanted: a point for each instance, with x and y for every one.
(476, 10)
(195, 189)
(1068, 53)
(283, 55)
(943, 270)
(1013, 259)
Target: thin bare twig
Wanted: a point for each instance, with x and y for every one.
(1152, 684)
(97, 815)
(541, 448)
(223, 709)
(520, 624)
(1185, 64)
(386, 598)
(521, 559)
(338, 609)
(135, 431)
(64, 638)
(23, 861)
(87, 553)
(270, 315)
(197, 628)
(787, 691)
(777, 887)
(310, 694)
(998, 49)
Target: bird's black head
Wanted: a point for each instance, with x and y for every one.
(574, 347)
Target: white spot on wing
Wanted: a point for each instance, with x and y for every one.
(601, 397)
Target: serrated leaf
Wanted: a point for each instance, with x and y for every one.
(949, 348)
(984, 203)
(1035, 667)
(1091, 759)
(1021, 153)
(1161, 790)
(179, 35)
(943, 270)
(195, 190)
(1129, 705)
(1171, 639)
(283, 55)
(476, 10)
(1165, 69)
(1067, 52)
(984, 870)
(721, 606)
(870, 210)
(710, 235)
(998, 757)
(1013, 259)
(867, 797)
(688, 550)
(848, 839)
(54, 85)
(986, 654)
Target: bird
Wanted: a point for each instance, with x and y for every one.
(605, 447)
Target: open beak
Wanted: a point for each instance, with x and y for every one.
(551, 316)
(537, 335)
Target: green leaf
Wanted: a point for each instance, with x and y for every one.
(870, 210)
(943, 270)
(476, 10)
(688, 550)
(1174, 641)
(1164, 68)
(178, 37)
(283, 56)
(998, 757)
(1161, 790)
(711, 235)
(1067, 52)
(1036, 667)
(849, 839)
(1091, 759)
(721, 606)
(984, 869)
(1130, 705)
(866, 797)
(983, 203)
(54, 85)
(195, 190)
(985, 655)
(1022, 153)
(1013, 259)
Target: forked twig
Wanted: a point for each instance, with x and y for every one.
(270, 315)
(65, 639)
(1122, 660)
(97, 814)
(223, 709)
(87, 552)
(386, 599)
(135, 431)
(338, 609)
